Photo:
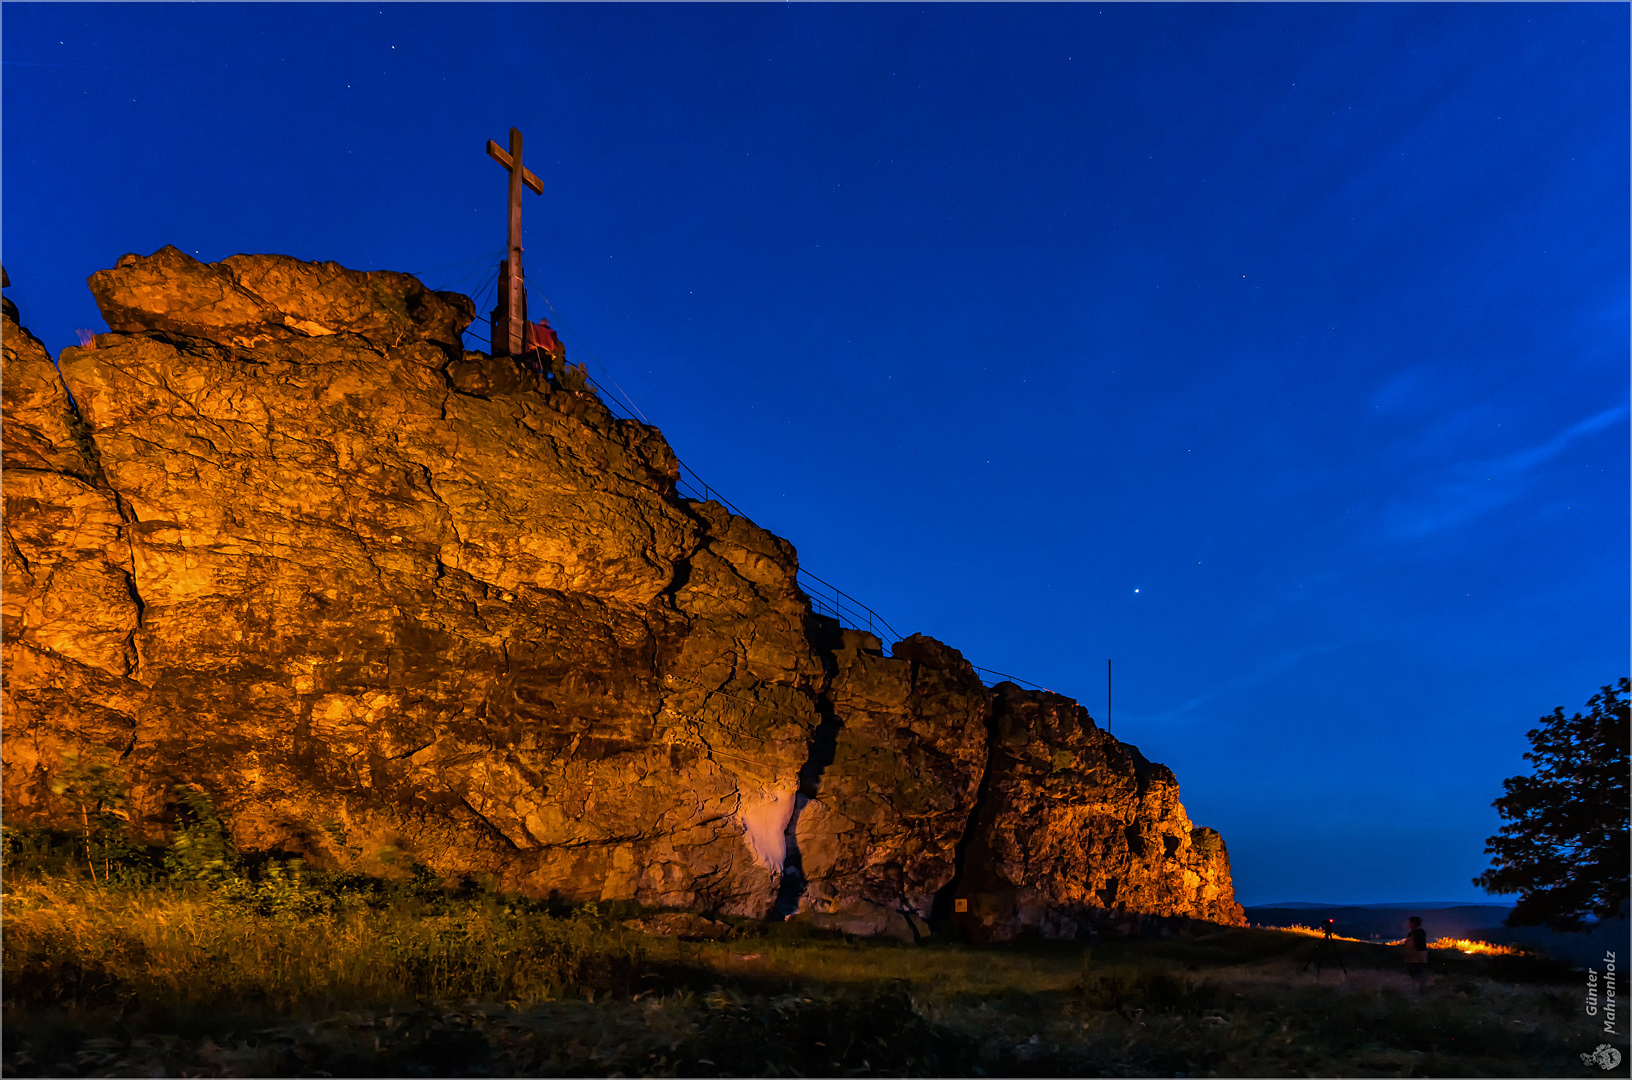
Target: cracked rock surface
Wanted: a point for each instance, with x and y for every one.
(278, 535)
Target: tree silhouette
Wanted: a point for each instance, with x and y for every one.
(1564, 849)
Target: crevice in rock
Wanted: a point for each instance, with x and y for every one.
(492, 829)
(409, 753)
(682, 577)
(940, 911)
(80, 432)
(133, 656)
(201, 347)
(912, 918)
(824, 744)
(1135, 839)
(826, 636)
(598, 841)
(135, 598)
(682, 565)
(17, 552)
(127, 518)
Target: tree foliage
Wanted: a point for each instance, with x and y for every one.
(202, 849)
(99, 791)
(1564, 849)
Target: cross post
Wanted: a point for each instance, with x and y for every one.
(510, 318)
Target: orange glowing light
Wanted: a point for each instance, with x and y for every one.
(1465, 945)
(1481, 948)
(1315, 931)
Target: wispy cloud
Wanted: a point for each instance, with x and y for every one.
(1528, 459)
(1474, 489)
(1263, 673)
(1402, 391)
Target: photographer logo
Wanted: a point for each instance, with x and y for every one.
(1605, 1057)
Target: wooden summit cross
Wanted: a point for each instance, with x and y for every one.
(510, 317)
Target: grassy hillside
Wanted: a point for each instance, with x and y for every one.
(278, 971)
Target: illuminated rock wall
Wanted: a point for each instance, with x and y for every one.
(387, 600)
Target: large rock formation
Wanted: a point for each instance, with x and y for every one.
(278, 535)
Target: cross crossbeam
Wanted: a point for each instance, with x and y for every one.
(495, 152)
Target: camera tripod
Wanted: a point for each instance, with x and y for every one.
(1326, 952)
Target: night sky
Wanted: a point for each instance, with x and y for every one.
(1278, 353)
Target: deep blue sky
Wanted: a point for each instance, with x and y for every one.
(1278, 352)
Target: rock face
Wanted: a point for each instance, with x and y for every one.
(1076, 821)
(386, 599)
(878, 837)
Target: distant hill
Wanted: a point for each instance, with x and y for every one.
(1414, 905)
(1385, 922)
(1481, 922)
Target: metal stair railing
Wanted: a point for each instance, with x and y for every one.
(699, 491)
(825, 598)
(983, 672)
(845, 608)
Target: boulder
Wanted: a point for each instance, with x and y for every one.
(249, 299)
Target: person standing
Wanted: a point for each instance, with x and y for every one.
(1416, 952)
(543, 347)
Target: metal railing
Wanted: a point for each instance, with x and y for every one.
(825, 597)
(845, 608)
(1006, 678)
(690, 484)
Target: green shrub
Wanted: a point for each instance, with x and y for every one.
(37, 850)
(202, 849)
(284, 890)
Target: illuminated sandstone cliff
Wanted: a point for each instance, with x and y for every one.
(385, 598)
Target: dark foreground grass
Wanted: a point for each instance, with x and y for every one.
(351, 977)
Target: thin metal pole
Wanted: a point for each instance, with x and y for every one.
(1107, 697)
